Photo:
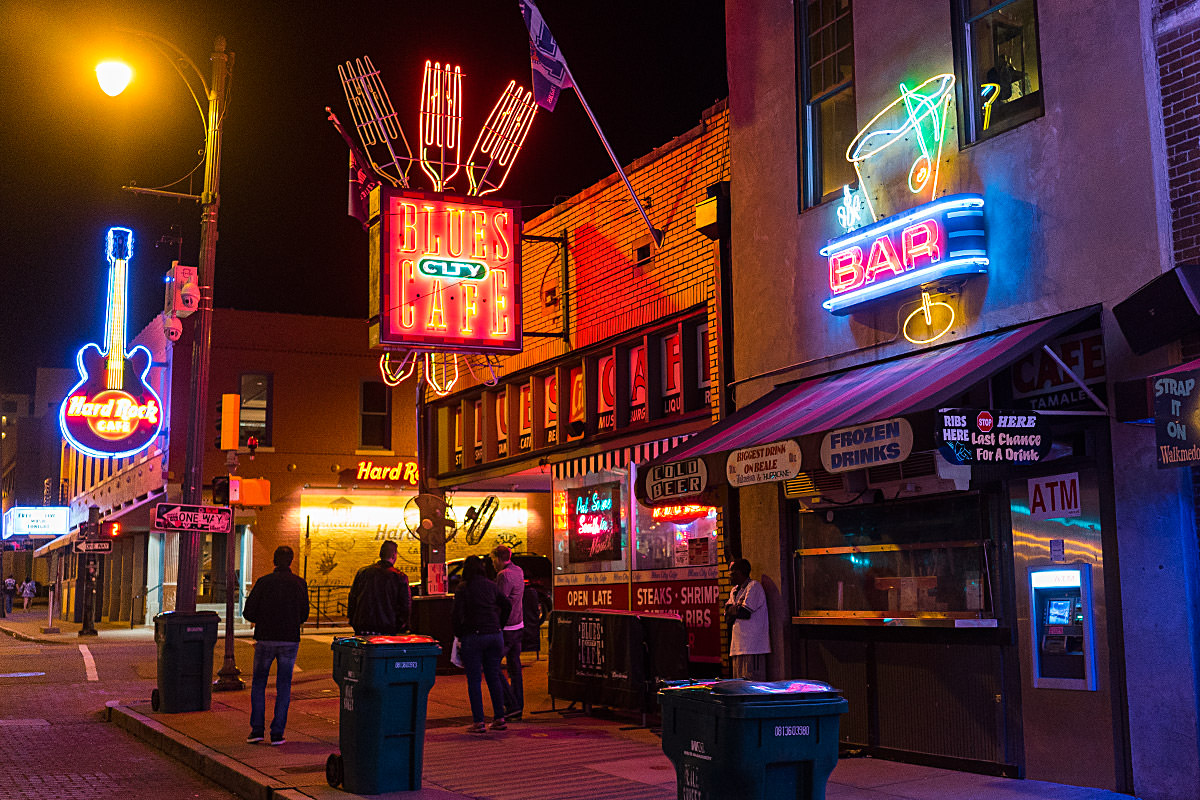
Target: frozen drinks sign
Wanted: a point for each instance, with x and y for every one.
(778, 461)
(887, 442)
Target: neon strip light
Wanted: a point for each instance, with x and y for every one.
(1054, 579)
(957, 201)
(990, 93)
(500, 139)
(921, 106)
(440, 122)
(958, 266)
(926, 309)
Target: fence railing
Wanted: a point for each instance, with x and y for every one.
(327, 605)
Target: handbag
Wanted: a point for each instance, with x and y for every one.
(455, 658)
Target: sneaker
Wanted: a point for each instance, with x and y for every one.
(478, 727)
(277, 740)
(254, 737)
(513, 716)
(499, 724)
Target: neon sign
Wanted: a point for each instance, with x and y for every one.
(936, 323)
(448, 273)
(685, 513)
(112, 412)
(594, 523)
(927, 243)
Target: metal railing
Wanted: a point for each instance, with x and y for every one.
(327, 605)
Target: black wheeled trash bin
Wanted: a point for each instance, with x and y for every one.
(383, 682)
(750, 740)
(185, 642)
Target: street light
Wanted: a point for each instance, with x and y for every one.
(214, 94)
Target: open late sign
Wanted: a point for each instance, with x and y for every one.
(445, 273)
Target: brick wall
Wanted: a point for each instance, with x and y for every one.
(1177, 44)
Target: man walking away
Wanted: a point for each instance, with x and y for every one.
(278, 606)
(10, 591)
(510, 579)
(380, 601)
(746, 614)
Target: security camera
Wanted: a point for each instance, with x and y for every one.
(173, 328)
(189, 297)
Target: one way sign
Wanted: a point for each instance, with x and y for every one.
(184, 518)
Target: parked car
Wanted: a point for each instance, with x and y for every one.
(538, 574)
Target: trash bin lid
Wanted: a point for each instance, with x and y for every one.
(360, 641)
(788, 690)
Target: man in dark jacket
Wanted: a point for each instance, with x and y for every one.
(380, 600)
(278, 606)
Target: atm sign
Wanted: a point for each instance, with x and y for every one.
(447, 273)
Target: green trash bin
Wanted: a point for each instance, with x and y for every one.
(185, 642)
(384, 683)
(751, 740)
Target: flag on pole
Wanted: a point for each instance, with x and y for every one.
(550, 73)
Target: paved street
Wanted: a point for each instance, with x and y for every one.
(54, 742)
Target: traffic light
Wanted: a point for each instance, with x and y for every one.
(220, 490)
(229, 410)
(110, 530)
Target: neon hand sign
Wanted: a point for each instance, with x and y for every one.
(112, 412)
(929, 242)
(447, 274)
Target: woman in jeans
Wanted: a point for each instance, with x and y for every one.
(479, 608)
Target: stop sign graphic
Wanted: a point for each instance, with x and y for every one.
(984, 421)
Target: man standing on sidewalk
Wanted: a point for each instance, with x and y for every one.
(511, 581)
(278, 606)
(380, 600)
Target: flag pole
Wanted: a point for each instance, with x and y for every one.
(654, 232)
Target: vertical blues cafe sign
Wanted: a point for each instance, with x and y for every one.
(1177, 418)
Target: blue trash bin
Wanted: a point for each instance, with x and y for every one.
(383, 683)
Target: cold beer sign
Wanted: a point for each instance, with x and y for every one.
(445, 273)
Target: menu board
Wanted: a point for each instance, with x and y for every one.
(594, 523)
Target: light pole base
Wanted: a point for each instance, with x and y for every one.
(228, 679)
(51, 630)
(92, 632)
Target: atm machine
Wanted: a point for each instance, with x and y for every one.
(1062, 627)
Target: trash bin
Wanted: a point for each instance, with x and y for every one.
(383, 682)
(185, 642)
(751, 740)
(431, 617)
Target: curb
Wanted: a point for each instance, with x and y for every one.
(228, 773)
(28, 637)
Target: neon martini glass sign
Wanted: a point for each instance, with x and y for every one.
(938, 238)
(112, 412)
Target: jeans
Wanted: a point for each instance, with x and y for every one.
(8, 598)
(264, 653)
(480, 653)
(514, 684)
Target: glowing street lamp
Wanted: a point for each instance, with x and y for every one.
(211, 101)
(113, 76)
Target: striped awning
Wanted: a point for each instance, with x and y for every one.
(619, 458)
(884, 389)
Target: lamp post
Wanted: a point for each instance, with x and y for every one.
(209, 200)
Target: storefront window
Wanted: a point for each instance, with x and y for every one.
(591, 522)
(1002, 87)
(920, 558)
(676, 536)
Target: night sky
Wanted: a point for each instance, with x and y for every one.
(647, 68)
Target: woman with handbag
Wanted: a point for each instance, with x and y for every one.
(750, 631)
(479, 608)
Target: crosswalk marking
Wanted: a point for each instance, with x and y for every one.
(89, 663)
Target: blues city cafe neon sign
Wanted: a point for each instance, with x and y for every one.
(446, 272)
(112, 412)
(924, 244)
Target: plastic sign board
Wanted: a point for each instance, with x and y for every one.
(887, 442)
(1054, 497)
(924, 244)
(94, 546)
(676, 480)
(983, 436)
(35, 521)
(205, 519)
(778, 461)
(1176, 401)
(112, 412)
(445, 273)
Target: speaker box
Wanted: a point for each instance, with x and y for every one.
(1162, 311)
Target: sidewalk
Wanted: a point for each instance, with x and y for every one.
(548, 756)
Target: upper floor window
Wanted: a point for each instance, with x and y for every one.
(375, 414)
(999, 65)
(254, 417)
(828, 122)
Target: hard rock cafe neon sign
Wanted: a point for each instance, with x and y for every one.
(940, 237)
(112, 412)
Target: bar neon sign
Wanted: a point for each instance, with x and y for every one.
(449, 273)
(924, 244)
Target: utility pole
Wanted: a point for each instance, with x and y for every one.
(89, 530)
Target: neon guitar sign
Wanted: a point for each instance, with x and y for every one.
(112, 412)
